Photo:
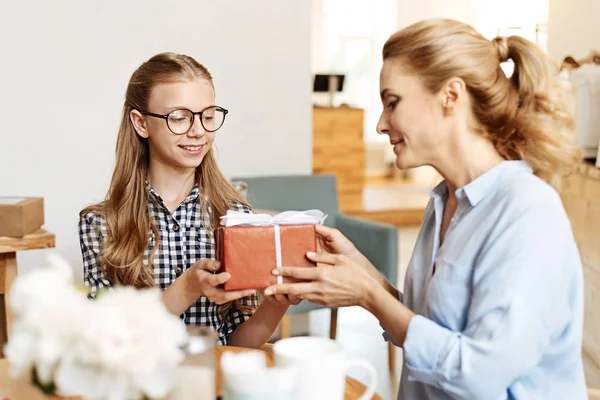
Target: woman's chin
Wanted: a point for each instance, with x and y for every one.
(403, 162)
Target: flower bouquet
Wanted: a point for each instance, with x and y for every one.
(124, 345)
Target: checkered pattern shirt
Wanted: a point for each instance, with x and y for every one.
(184, 239)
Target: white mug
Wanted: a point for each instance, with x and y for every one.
(322, 367)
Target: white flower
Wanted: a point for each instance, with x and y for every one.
(122, 346)
(46, 307)
(33, 288)
(132, 343)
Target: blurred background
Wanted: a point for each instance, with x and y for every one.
(65, 66)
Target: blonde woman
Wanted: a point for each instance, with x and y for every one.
(155, 227)
(492, 306)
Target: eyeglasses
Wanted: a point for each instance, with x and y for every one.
(181, 121)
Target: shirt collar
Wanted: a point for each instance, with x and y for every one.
(193, 196)
(483, 185)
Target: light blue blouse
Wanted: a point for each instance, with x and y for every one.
(502, 316)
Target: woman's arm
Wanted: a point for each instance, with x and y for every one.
(340, 281)
(393, 316)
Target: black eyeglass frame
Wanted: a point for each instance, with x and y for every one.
(166, 118)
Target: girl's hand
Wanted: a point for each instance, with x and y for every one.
(282, 299)
(203, 276)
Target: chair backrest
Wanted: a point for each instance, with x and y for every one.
(294, 192)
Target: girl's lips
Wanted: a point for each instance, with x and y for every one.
(192, 149)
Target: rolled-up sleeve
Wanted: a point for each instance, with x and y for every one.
(91, 229)
(518, 302)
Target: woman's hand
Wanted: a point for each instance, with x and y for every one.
(334, 242)
(203, 277)
(337, 281)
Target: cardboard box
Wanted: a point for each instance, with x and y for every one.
(249, 253)
(20, 216)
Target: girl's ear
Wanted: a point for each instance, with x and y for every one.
(139, 123)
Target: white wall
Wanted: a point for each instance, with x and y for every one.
(485, 15)
(573, 28)
(492, 15)
(65, 67)
(410, 11)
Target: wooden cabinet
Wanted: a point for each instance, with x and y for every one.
(338, 148)
(580, 194)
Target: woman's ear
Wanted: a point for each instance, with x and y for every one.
(453, 92)
(139, 123)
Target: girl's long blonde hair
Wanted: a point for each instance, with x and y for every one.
(525, 116)
(125, 208)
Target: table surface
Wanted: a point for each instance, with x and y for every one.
(40, 239)
(22, 389)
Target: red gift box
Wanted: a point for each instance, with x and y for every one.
(249, 253)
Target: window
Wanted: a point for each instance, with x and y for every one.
(347, 39)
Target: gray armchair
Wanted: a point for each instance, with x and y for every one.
(378, 242)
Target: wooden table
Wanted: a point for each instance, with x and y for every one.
(9, 246)
(23, 390)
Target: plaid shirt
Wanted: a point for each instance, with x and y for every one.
(184, 239)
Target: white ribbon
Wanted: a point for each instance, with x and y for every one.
(278, 256)
(309, 217)
(238, 218)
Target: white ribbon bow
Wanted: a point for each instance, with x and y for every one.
(238, 218)
(308, 217)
